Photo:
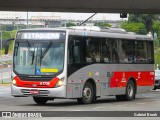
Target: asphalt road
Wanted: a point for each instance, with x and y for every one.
(144, 102)
(5, 75)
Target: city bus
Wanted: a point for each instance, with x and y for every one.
(82, 64)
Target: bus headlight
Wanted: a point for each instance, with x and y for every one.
(60, 82)
(14, 82)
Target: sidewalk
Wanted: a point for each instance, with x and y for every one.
(5, 91)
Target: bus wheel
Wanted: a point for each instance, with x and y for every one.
(87, 94)
(130, 90)
(40, 100)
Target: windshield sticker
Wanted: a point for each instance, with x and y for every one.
(38, 71)
(55, 70)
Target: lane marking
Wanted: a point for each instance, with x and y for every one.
(142, 103)
(76, 110)
(121, 105)
(99, 107)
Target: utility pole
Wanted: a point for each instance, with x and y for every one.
(1, 54)
(1, 45)
(27, 19)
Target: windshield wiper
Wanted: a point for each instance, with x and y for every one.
(32, 53)
(46, 50)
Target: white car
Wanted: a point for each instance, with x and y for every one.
(157, 80)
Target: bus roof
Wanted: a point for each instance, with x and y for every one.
(106, 33)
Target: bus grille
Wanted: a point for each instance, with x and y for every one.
(41, 92)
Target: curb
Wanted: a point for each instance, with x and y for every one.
(5, 84)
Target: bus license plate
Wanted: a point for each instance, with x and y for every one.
(34, 92)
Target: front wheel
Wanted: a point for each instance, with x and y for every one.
(87, 94)
(40, 100)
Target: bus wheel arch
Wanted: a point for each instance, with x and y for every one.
(90, 86)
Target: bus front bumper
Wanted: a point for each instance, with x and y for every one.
(59, 92)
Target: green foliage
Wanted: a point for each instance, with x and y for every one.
(70, 24)
(6, 35)
(138, 28)
(146, 19)
(104, 25)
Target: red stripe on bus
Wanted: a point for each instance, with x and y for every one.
(36, 84)
(142, 78)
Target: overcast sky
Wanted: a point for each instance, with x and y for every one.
(75, 16)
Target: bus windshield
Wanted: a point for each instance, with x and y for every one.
(44, 57)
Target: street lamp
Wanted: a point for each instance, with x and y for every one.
(17, 23)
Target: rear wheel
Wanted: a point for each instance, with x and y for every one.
(130, 92)
(87, 94)
(40, 100)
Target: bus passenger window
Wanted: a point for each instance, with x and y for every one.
(140, 50)
(74, 51)
(93, 50)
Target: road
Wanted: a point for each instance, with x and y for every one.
(5, 75)
(144, 102)
(6, 57)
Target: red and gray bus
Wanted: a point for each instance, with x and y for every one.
(81, 64)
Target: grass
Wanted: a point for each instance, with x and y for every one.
(5, 84)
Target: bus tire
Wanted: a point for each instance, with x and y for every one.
(130, 91)
(40, 100)
(87, 94)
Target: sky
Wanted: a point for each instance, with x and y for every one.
(75, 16)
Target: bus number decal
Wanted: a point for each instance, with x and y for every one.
(44, 83)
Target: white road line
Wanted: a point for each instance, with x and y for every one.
(76, 110)
(141, 103)
(157, 101)
(121, 105)
(99, 107)
(148, 96)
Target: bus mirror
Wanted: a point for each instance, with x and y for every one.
(6, 49)
(7, 43)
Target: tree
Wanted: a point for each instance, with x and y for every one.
(103, 24)
(138, 28)
(146, 19)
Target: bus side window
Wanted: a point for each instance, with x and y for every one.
(74, 51)
(93, 52)
(106, 54)
(140, 50)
